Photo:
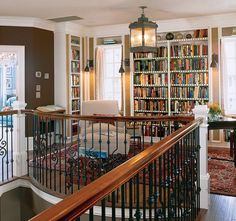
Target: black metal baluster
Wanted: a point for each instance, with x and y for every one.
(192, 192)
(130, 200)
(161, 185)
(91, 214)
(168, 183)
(46, 149)
(150, 197)
(143, 135)
(175, 177)
(198, 169)
(78, 154)
(7, 149)
(60, 160)
(151, 131)
(123, 202)
(68, 170)
(50, 156)
(138, 212)
(125, 140)
(144, 194)
(27, 145)
(34, 150)
(12, 146)
(113, 196)
(164, 185)
(1, 148)
(100, 150)
(104, 209)
(40, 149)
(155, 190)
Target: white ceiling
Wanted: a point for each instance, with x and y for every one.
(106, 12)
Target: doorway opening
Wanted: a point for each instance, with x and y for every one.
(12, 75)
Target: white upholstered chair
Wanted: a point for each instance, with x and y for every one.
(96, 136)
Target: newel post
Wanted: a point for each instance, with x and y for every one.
(19, 151)
(202, 111)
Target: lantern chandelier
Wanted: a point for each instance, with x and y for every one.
(143, 34)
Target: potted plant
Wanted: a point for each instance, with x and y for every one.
(214, 111)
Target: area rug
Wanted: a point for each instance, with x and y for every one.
(222, 172)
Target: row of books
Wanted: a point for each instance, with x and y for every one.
(182, 106)
(75, 54)
(188, 50)
(189, 78)
(154, 130)
(158, 79)
(150, 65)
(75, 79)
(150, 105)
(162, 51)
(75, 66)
(75, 105)
(75, 92)
(189, 92)
(157, 92)
(189, 64)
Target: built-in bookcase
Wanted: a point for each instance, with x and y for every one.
(175, 78)
(74, 78)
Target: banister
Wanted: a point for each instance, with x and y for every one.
(76, 204)
(181, 118)
(10, 112)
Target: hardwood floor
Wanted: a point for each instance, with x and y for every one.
(222, 208)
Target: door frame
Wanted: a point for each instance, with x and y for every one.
(20, 74)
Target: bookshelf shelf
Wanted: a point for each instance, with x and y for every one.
(74, 78)
(174, 78)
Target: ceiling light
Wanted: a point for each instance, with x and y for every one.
(143, 34)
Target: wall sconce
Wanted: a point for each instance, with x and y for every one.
(121, 70)
(214, 60)
(88, 66)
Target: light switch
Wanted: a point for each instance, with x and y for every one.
(46, 75)
(38, 94)
(38, 74)
(38, 87)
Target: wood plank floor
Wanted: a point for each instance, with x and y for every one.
(222, 208)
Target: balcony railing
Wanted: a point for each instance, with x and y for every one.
(64, 163)
(162, 183)
(127, 167)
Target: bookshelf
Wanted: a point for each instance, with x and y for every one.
(175, 78)
(74, 78)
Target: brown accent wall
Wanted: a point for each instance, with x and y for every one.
(39, 56)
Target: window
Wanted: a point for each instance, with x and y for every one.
(229, 74)
(112, 78)
(8, 63)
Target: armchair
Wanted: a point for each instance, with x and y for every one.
(103, 137)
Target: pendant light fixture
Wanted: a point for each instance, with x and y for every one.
(143, 34)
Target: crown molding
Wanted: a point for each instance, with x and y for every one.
(27, 22)
(219, 20)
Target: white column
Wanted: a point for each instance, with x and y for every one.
(202, 111)
(19, 151)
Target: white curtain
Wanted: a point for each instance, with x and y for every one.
(99, 72)
(228, 51)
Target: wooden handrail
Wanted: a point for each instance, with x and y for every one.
(181, 118)
(10, 112)
(78, 203)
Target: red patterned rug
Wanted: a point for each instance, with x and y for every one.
(222, 173)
